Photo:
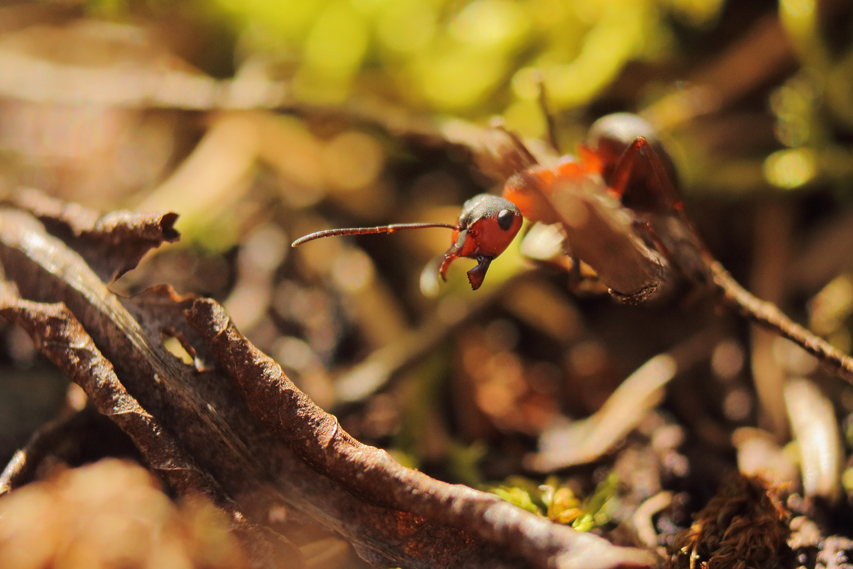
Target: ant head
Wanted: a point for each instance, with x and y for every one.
(486, 227)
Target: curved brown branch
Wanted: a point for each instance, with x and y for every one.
(317, 438)
(62, 339)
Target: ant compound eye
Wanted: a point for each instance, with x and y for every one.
(505, 218)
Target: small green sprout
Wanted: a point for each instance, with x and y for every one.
(559, 503)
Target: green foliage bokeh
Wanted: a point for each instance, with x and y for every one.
(467, 58)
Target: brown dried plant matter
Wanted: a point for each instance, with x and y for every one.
(111, 514)
(111, 244)
(743, 526)
(233, 428)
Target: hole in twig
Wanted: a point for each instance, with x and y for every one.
(176, 348)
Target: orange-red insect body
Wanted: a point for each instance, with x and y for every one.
(621, 155)
(530, 201)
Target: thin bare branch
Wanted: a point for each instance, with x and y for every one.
(768, 315)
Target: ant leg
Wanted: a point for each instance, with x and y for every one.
(524, 159)
(583, 280)
(578, 283)
(642, 181)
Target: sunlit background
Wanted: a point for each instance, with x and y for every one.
(259, 121)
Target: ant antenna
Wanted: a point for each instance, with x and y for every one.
(368, 231)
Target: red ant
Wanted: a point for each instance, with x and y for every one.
(621, 156)
(620, 213)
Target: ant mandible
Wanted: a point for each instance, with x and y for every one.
(621, 155)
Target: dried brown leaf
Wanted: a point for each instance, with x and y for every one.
(111, 244)
(317, 438)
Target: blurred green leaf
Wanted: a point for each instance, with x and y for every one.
(473, 58)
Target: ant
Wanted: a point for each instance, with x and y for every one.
(621, 157)
(620, 214)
